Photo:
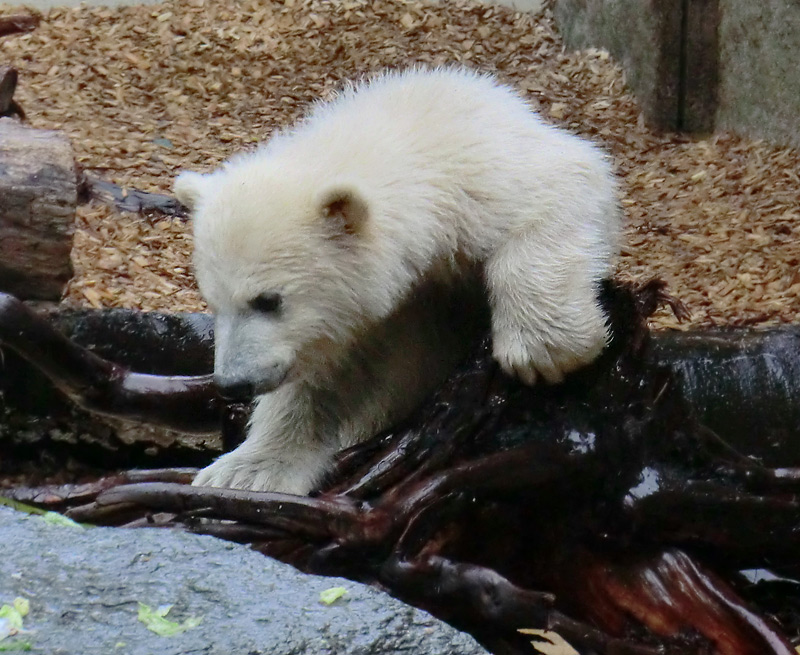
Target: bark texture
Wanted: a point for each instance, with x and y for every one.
(600, 508)
(8, 84)
(38, 196)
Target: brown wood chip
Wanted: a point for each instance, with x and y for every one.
(145, 91)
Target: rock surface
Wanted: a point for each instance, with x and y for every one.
(700, 66)
(759, 46)
(84, 586)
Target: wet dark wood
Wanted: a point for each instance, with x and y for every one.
(600, 508)
(188, 403)
(18, 23)
(8, 84)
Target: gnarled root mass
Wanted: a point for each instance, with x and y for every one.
(598, 508)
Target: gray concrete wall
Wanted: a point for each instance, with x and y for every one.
(702, 65)
(642, 36)
(520, 5)
(759, 89)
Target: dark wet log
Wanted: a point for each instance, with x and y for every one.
(600, 508)
(743, 384)
(712, 515)
(156, 343)
(62, 496)
(38, 197)
(738, 382)
(8, 84)
(678, 598)
(187, 403)
(40, 428)
(39, 425)
(499, 506)
(18, 23)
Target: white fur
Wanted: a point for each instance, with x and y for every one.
(447, 176)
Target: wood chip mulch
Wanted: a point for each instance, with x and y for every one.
(146, 91)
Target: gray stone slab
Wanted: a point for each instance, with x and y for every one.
(531, 6)
(84, 586)
(643, 37)
(760, 76)
(703, 65)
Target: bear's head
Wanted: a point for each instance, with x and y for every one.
(283, 266)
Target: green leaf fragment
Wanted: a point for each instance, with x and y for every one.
(21, 507)
(54, 518)
(16, 646)
(155, 620)
(51, 517)
(11, 619)
(22, 605)
(11, 624)
(331, 595)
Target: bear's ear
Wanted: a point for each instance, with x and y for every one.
(189, 188)
(343, 207)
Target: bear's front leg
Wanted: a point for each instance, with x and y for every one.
(546, 316)
(281, 452)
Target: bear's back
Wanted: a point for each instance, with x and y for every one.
(430, 117)
(447, 160)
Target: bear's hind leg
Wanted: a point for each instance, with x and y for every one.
(546, 316)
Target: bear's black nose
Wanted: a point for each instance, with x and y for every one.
(235, 390)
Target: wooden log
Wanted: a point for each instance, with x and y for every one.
(598, 508)
(8, 84)
(38, 197)
(17, 23)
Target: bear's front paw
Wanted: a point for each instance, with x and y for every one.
(530, 354)
(219, 474)
(234, 471)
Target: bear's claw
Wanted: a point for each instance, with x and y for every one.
(527, 360)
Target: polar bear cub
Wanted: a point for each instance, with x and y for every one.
(331, 255)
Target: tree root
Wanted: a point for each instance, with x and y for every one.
(595, 508)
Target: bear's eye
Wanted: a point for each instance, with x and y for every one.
(266, 303)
